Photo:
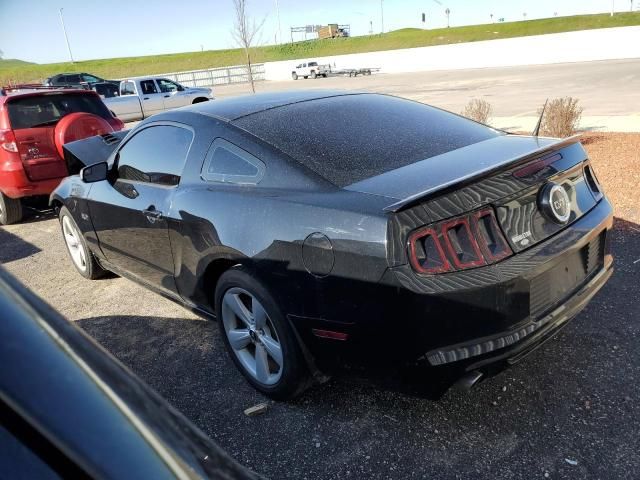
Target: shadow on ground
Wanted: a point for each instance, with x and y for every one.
(13, 247)
(569, 409)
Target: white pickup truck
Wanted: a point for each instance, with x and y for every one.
(143, 96)
(310, 69)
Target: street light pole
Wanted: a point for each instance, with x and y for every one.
(279, 27)
(65, 36)
(613, 6)
(382, 14)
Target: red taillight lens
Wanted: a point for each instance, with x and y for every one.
(8, 141)
(490, 238)
(461, 244)
(466, 242)
(426, 253)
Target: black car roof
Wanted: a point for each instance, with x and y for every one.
(230, 109)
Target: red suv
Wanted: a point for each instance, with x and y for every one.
(34, 124)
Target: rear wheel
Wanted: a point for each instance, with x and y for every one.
(81, 256)
(10, 210)
(258, 337)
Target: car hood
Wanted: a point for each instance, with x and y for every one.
(206, 91)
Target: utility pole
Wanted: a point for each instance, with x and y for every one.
(613, 7)
(447, 11)
(382, 14)
(279, 27)
(65, 36)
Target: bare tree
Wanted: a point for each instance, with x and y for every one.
(244, 32)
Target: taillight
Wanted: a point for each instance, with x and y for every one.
(8, 141)
(465, 242)
(426, 253)
(493, 244)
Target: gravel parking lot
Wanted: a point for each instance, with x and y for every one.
(569, 410)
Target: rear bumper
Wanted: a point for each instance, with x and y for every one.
(15, 184)
(490, 314)
(513, 345)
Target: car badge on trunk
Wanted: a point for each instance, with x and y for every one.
(555, 203)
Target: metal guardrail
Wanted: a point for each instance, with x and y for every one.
(216, 76)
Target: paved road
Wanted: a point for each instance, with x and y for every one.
(575, 400)
(608, 90)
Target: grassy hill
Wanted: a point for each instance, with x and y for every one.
(405, 38)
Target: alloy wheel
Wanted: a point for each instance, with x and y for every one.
(252, 336)
(74, 245)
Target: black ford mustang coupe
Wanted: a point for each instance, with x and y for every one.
(328, 225)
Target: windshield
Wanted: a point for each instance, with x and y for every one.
(39, 111)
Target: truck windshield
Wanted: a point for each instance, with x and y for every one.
(30, 112)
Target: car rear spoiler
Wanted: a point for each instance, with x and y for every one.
(471, 174)
(88, 151)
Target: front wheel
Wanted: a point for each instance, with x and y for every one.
(313, 75)
(10, 210)
(294, 75)
(258, 337)
(81, 257)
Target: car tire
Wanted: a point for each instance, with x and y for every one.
(305, 77)
(294, 75)
(10, 210)
(313, 75)
(81, 257)
(270, 337)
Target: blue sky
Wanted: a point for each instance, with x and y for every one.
(111, 28)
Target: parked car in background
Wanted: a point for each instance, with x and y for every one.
(34, 124)
(310, 69)
(323, 227)
(68, 409)
(142, 97)
(77, 80)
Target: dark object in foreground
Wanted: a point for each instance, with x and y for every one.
(68, 409)
(324, 227)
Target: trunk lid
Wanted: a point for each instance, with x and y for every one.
(418, 181)
(512, 175)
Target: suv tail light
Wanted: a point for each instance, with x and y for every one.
(8, 141)
(465, 242)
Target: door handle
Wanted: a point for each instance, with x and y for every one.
(145, 98)
(152, 214)
(167, 96)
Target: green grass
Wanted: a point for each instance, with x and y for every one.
(405, 38)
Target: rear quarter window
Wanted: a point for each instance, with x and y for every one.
(48, 109)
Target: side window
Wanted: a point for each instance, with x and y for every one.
(228, 163)
(148, 87)
(73, 79)
(155, 155)
(128, 88)
(167, 86)
(304, 65)
(89, 78)
(299, 66)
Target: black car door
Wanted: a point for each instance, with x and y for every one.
(129, 211)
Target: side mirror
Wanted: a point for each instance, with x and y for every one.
(180, 88)
(94, 173)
